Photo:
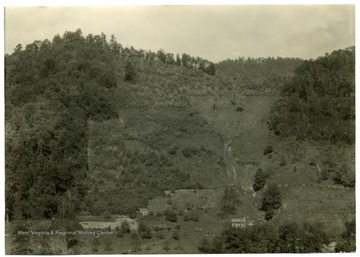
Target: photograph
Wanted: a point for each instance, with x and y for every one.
(179, 129)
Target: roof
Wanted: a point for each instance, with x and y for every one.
(238, 220)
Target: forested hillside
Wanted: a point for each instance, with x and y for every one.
(54, 88)
(95, 130)
(319, 101)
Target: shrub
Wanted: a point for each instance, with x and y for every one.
(175, 235)
(170, 215)
(125, 227)
(146, 234)
(172, 149)
(239, 109)
(268, 149)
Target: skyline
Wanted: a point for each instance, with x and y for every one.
(215, 33)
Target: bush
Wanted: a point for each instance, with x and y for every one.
(239, 109)
(175, 235)
(172, 149)
(170, 215)
(125, 227)
(106, 215)
(268, 149)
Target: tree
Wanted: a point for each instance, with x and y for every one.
(114, 45)
(130, 74)
(186, 60)
(259, 180)
(161, 55)
(271, 200)
(178, 60)
(211, 70)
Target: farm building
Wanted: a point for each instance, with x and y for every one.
(143, 211)
(238, 223)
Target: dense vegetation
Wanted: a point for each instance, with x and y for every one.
(271, 201)
(54, 90)
(258, 69)
(319, 101)
(93, 126)
(287, 238)
(260, 76)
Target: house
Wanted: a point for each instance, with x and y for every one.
(238, 223)
(143, 211)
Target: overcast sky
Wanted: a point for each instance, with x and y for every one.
(212, 32)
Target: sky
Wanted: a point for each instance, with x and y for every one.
(211, 32)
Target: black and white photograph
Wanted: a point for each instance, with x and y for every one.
(179, 129)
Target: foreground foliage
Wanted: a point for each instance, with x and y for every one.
(287, 238)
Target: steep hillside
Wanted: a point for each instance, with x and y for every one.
(100, 130)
